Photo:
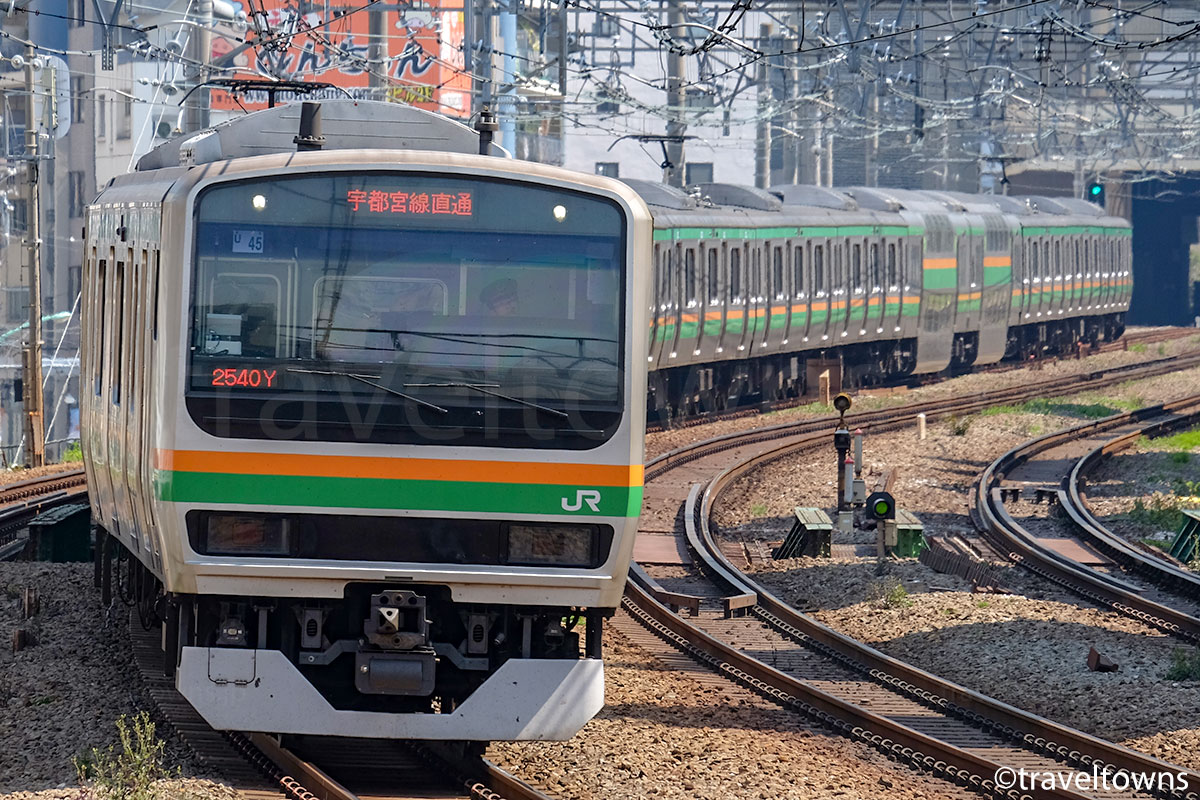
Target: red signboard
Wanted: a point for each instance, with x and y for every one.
(423, 67)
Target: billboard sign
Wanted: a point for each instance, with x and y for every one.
(424, 60)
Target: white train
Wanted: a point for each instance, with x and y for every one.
(364, 423)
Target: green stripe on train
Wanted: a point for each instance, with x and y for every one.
(386, 493)
(941, 278)
(697, 234)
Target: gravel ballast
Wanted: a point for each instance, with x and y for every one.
(1028, 648)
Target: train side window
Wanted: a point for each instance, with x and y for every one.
(818, 269)
(100, 329)
(777, 272)
(735, 274)
(157, 262)
(857, 267)
(891, 264)
(755, 289)
(714, 277)
(689, 275)
(798, 272)
(874, 266)
(117, 336)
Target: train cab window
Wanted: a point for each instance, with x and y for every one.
(689, 275)
(777, 273)
(818, 270)
(714, 277)
(891, 264)
(369, 306)
(798, 271)
(735, 274)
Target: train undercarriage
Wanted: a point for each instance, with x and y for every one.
(682, 392)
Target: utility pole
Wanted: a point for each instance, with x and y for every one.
(200, 52)
(673, 173)
(762, 145)
(376, 52)
(35, 434)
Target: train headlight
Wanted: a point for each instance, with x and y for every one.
(247, 535)
(552, 545)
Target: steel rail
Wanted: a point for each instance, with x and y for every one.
(1023, 728)
(1152, 566)
(958, 405)
(1010, 538)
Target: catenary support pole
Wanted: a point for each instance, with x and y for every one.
(35, 450)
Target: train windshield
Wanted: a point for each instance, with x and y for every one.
(407, 308)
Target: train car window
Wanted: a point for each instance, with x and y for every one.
(777, 273)
(798, 271)
(157, 262)
(714, 277)
(891, 264)
(1047, 266)
(1058, 259)
(689, 275)
(874, 266)
(755, 288)
(735, 274)
(100, 329)
(118, 330)
(856, 267)
(818, 270)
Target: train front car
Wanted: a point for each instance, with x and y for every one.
(399, 448)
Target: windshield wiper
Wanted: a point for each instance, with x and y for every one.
(365, 379)
(483, 387)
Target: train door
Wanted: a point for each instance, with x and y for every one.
(151, 368)
(876, 286)
(755, 299)
(662, 255)
(709, 320)
(892, 297)
(690, 312)
(856, 297)
(735, 300)
(939, 289)
(822, 282)
(777, 296)
(674, 310)
(133, 351)
(797, 319)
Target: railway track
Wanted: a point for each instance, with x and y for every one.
(944, 709)
(261, 767)
(1086, 557)
(21, 502)
(742, 631)
(1131, 338)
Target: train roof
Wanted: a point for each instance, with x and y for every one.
(345, 125)
(798, 194)
(660, 194)
(739, 196)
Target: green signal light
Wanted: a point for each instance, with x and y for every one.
(881, 508)
(1096, 189)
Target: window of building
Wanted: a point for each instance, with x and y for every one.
(700, 172)
(78, 100)
(609, 169)
(125, 123)
(16, 304)
(101, 116)
(78, 194)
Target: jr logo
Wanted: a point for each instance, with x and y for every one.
(589, 496)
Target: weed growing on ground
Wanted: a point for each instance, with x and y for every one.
(131, 773)
(889, 593)
(758, 510)
(1162, 349)
(1137, 348)
(958, 425)
(73, 454)
(1187, 440)
(983, 604)
(1185, 664)
(1162, 512)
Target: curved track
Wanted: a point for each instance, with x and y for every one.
(21, 502)
(1102, 568)
(938, 726)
